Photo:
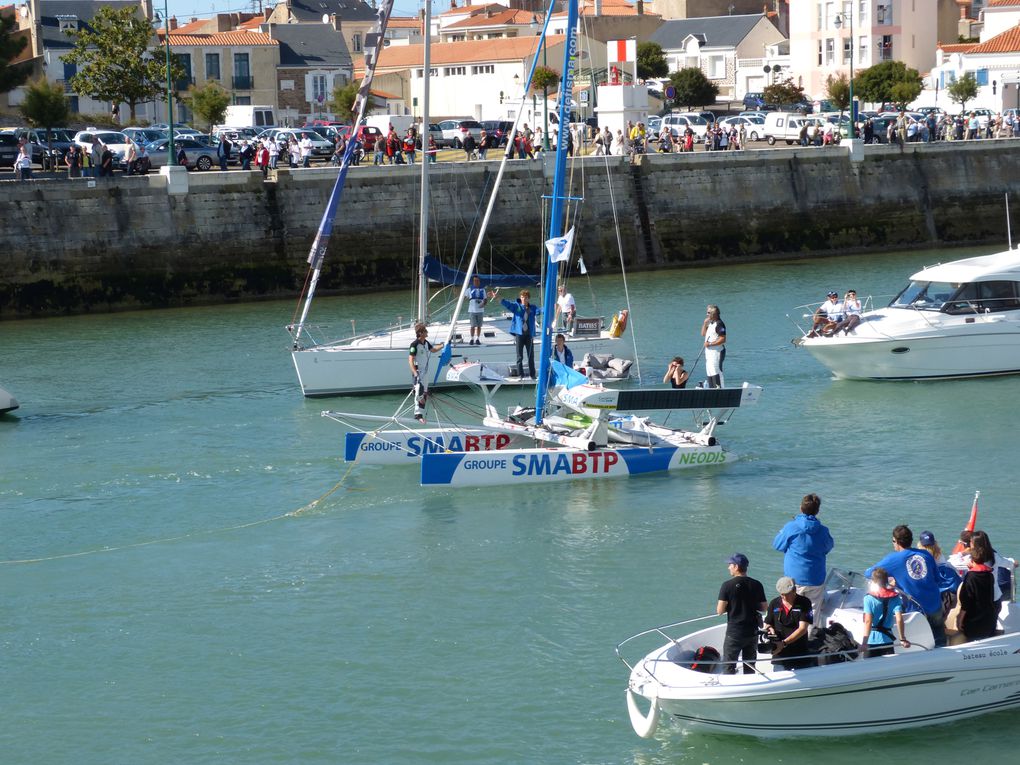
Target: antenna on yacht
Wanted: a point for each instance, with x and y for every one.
(1009, 232)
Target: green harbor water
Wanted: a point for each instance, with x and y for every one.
(160, 605)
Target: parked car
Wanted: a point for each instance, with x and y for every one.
(754, 100)
(709, 117)
(44, 153)
(455, 131)
(801, 107)
(320, 146)
(200, 156)
(436, 134)
(686, 120)
(785, 126)
(499, 130)
(8, 149)
(235, 135)
(143, 135)
(654, 123)
(368, 136)
(752, 125)
(116, 141)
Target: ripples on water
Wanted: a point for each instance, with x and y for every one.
(395, 624)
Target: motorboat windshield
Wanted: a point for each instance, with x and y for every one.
(925, 296)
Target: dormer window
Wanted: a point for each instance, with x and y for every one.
(68, 23)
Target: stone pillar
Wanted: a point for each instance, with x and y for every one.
(176, 178)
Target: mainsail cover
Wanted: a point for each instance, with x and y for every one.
(437, 272)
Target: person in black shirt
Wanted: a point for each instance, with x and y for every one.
(787, 620)
(742, 599)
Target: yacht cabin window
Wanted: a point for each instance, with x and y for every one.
(984, 297)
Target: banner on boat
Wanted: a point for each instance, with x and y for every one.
(399, 447)
(515, 466)
(559, 247)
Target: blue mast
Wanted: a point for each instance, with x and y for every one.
(558, 199)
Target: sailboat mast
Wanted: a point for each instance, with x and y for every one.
(557, 207)
(374, 42)
(423, 223)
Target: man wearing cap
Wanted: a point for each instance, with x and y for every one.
(742, 599)
(805, 542)
(916, 573)
(787, 620)
(828, 313)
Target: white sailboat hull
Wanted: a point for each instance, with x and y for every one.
(7, 402)
(378, 363)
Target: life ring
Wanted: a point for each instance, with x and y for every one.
(644, 725)
(619, 325)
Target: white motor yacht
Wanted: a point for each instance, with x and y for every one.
(916, 686)
(958, 319)
(7, 402)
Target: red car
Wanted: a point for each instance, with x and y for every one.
(367, 134)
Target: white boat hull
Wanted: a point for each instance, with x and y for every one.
(7, 402)
(952, 348)
(378, 363)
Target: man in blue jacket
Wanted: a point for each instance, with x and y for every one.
(522, 327)
(915, 573)
(805, 542)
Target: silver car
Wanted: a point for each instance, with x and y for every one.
(200, 156)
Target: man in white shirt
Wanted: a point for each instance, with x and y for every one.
(476, 309)
(565, 305)
(829, 314)
(306, 149)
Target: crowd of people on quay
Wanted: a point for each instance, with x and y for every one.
(959, 595)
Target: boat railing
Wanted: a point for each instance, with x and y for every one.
(661, 631)
(807, 311)
(314, 331)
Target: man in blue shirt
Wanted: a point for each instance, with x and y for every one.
(522, 327)
(805, 542)
(915, 572)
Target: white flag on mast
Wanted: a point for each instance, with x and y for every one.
(559, 247)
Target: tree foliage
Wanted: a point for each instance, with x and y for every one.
(342, 102)
(209, 103)
(11, 76)
(651, 61)
(963, 90)
(544, 77)
(888, 81)
(693, 88)
(45, 105)
(837, 88)
(114, 62)
(784, 92)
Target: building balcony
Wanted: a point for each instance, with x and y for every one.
(243, 82)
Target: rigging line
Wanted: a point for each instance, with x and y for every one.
(180, 537)
(623, 267)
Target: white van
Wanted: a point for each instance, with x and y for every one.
(785, 126)
(678, 123)
(400, 122)
(247, 115)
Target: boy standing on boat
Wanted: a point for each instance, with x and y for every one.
(476, 309)
(522, 327)
(742, 599)
(805, 542)
(418, 359)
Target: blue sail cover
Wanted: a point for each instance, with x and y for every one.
(437, 272)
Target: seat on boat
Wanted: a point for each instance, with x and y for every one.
(915, 628)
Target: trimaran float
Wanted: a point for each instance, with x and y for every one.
(377, 361)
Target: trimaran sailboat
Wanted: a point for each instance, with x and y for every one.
(377, 361)
(582, 430)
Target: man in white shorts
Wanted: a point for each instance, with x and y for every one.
(566, 307)
(476, 309)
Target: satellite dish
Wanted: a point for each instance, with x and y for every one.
(325, 18)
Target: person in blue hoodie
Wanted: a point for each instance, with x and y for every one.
(805, 542)
(522, 327)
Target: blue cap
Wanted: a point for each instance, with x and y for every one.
(739, 560)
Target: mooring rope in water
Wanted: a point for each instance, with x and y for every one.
(206, 532)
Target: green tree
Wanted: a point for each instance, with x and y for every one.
(651, 61)
(837, 88)
(114, 62)
(963, 90)
(11, 76)
(692, 88)
(785, 92)
(343, 100)
(889, 81)
(209, 103)
(45, 106)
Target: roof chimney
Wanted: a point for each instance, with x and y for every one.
(173, 23)
(334, 21)
(640, 7)
(598, 7)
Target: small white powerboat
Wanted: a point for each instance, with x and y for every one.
(958, 319)
(7, 402)
(916, 686)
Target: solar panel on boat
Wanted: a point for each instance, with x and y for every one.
(696, 398)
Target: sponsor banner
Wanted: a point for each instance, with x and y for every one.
(520, 466)
(401, 447)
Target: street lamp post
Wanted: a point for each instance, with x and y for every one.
(171, 158)
(838, 23)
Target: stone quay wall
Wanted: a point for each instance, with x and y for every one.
(75, 247)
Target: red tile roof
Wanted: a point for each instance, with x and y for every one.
(955, 47)
(506, 16)
(1001, 3)
(404, 22)
(399, 57)
(496, 7)
(195, 26)
(221, 38)
(1004, 42)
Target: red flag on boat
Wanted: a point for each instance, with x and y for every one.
(960, 547)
